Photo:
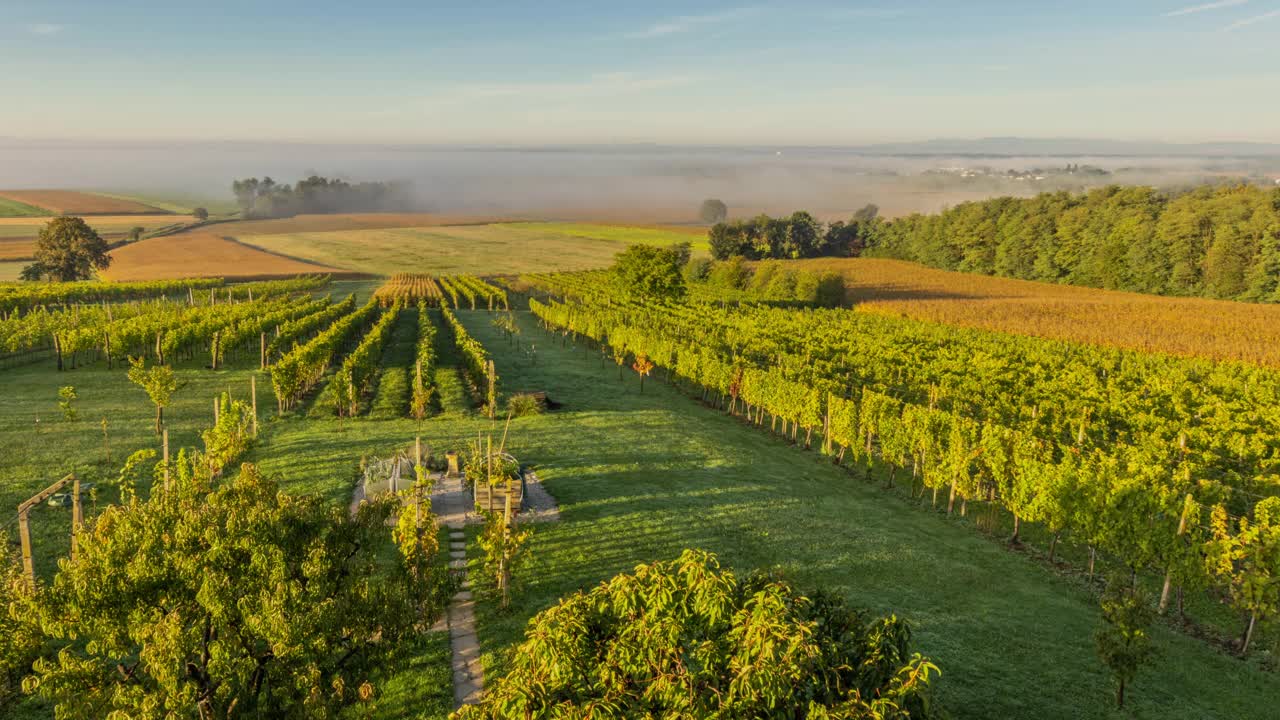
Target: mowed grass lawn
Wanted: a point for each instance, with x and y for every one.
(486, 249)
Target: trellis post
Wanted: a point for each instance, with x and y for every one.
(253, 393)
(165, 440)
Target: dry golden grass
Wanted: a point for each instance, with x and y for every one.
(345, 221)
(72, 202)
(201, 254)
(1216, 329)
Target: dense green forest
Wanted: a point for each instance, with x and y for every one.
(1218, 242)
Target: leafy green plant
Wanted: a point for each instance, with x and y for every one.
(523, 404)
(159, 382)
(686, 639)
(1123, 643)
(67, 396)
(504, 545)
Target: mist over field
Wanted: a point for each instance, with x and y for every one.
(640, 182)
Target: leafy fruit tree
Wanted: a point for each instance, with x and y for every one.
(67, 249)
(687, 639)
(67, 396)
(159, 382)
(200, 214)
(234, 601)
(504, 545)
(649, 272)
(713, 211)
(1123, 643)
(19, 639)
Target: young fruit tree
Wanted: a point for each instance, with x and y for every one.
(1123, 643)
(159, 382)
(504, 545)
(686, 639)
(223, 601)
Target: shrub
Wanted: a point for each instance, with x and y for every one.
(522, 404)
(731, 274)
(687, 639)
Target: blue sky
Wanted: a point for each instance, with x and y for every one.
(558, 71)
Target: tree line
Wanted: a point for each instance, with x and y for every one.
(790, 238)
(1216, 242)
(266, 198)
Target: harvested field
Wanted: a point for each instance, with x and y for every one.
(201, 254)
(457, 249)
(347, 221)
(74, 202)
(17, 248)
(1217, 329)
(29, 227)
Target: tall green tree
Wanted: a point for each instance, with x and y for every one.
(68, 249)
(647, 271)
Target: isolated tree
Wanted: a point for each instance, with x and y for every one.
(646, 271)
(135, 233)
(713, 211)
(223, 602)
(68, 249)
(1123, 642)
(687, 639)
(200, 214)
(159, 382)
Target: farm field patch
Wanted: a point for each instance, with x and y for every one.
(201, 254)
(1215, 329)
(456, 249)
(74, 202)
(14, 209)
(349, 221)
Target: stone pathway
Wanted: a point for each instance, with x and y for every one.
(451, 502)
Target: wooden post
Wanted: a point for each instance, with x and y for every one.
(24, 533)
(1182, 528)
(417, 451)
(165, 440)
(262, 352)
(493, 392)
(253, 392)
(217, 408)
(191, 298)
(77, 517)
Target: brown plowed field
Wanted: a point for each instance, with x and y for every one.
(72, 202)
(202, 254)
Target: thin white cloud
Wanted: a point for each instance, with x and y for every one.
(44, 28)
(686, 23)
(866, 13)
(1205, 8)
(1255, 19)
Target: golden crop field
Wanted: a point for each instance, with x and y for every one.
(73, 202)
(1217, 329)
(466, 249)
(347, 221)
(201, 254)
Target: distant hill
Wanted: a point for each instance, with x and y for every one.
(1016, 146)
